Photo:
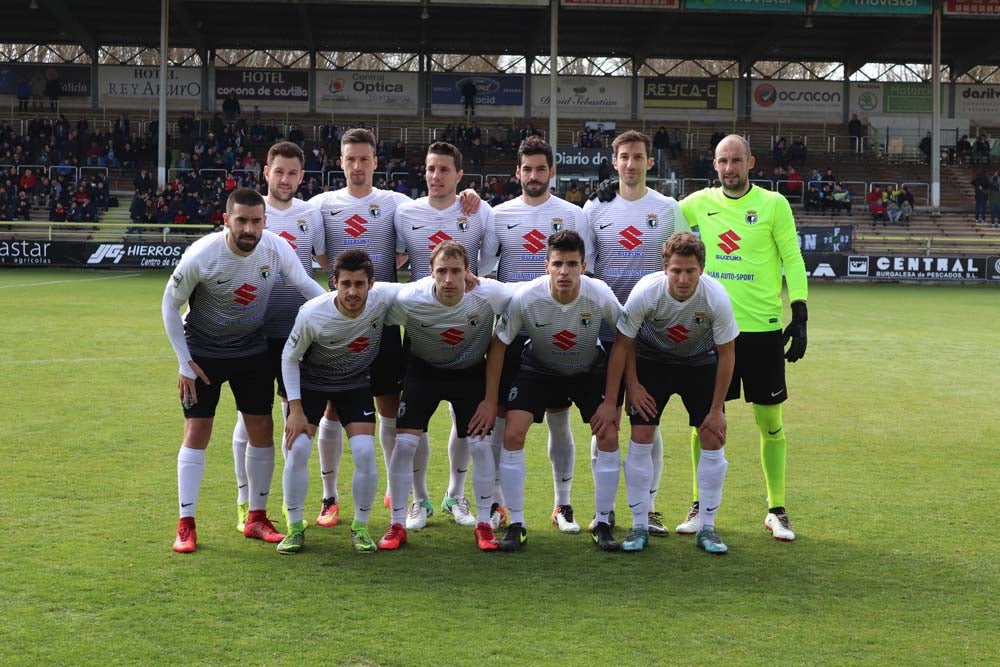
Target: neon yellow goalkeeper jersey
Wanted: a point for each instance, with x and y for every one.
(747, 242)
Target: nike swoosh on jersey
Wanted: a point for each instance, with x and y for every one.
(418, 226)
(513, 226)
(223, 282)
(606, 226)
(542, 325)
(714, 212)
(334, 214)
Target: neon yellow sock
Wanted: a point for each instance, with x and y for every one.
(695, 457)
(773, 451)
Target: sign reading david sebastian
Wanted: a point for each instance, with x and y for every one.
(687, 93)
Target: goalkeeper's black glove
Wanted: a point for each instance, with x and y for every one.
(796, 332)
(605, 190)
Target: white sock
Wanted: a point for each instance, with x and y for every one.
(562, 454)
(512, 474)
(421, 459)
(496, 444)
(593, 453)
(638, 464)
(330, 445)
(483, 474)
(401, 474)
(606, 483)
(190, 470)
(657, 463)
(458, 463)
(240, 438)
(260, 471)
(387, 438)
(712, 468)
(365, 480)
(295, 477)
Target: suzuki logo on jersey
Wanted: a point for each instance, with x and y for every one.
(359, 345)
(564, 340)
(631, 238)
(452, 336)
(729, 243)
(113, 252)
(677, 333)
(355, 225)
(245, 294)
(290, 238)
(438, 237)
(534, 241)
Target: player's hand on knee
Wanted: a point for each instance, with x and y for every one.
(605, 419)
(713, 427)
(641, 400)
(483, 420)
(796, 332)
(294, 425)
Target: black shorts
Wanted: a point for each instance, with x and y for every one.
(511, 366)
(426, 386)
(694, 384)
(760, 365)
(389, 367)
(250, 379)
(352, 405)
(536, 392)
(275, 346)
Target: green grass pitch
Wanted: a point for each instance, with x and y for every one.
(893, 460)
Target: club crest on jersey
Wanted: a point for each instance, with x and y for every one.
(374, 324)
(751, 217)
(177, 279)
(265, 271)
(303, 226)
(699, 318)
(585, 319)
(374, 211)
(462, 223)
(557, 224)
(473, 319)
(294, 337)
(652, 221)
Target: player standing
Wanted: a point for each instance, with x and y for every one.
(676, 336)
(327, 360)
(522, 228)
(751, 241)
(625, 236)
(301, 225)
(226, 279)
(449, 331)
(421, 226)
(561, 362)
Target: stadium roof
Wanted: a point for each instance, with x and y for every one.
(517, 28)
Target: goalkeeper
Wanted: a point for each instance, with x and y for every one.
(749, 234)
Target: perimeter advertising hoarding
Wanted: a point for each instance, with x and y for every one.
(126, 255)
(885, 267)
(883, 7)
(972, 8)
(498, 94)
(368, 92)
(663, 92)
(272, 85)
(816, 99)
(584, 96)
(978, 103)
(74, 79)
(788, 6)
(826, 239)
(622, 4)
(825, 265)
(573, 160)
(122, 84)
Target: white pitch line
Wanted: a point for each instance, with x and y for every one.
(79, 360)
(81, 280)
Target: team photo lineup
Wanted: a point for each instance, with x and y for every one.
(515, 315)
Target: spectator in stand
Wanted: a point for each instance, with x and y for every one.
(892, 210)
(926, 145)
(797, 152)
(231, 107)
(475, 153)
(143, 182)
(53, 89)
(469, 91)
(661, 140)
(794, 179)
(23, 95)
(829, 177)
(981, 151)
(995, 204)
(57, 213)
(780, 153)
(676, 144)
(603, 170)
(876, 206)
(296, 136)
(857, 132)
(23, 206)
(963, 150)
(982, 184)
(812, 201)
(906, 203)
(574, 195)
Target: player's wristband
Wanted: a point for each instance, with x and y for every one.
(799, 311)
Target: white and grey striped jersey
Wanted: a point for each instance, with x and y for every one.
(421, 227)
(521, 232)
(678, 332)
(362, 224)
(625, 239)
(227, 296)
(562, 338)
(301, 224)
(449, 337)
(335, 352)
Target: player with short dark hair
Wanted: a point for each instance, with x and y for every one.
(561, 363)
(751, 240)
(675, 336)
(226, 279)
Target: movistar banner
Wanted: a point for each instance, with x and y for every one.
(790, 6)
(889, 7)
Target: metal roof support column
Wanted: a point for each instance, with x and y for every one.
(936, 111)
(553, 76)
(161, 136)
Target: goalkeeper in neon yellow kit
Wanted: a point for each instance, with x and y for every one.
(749, 234)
